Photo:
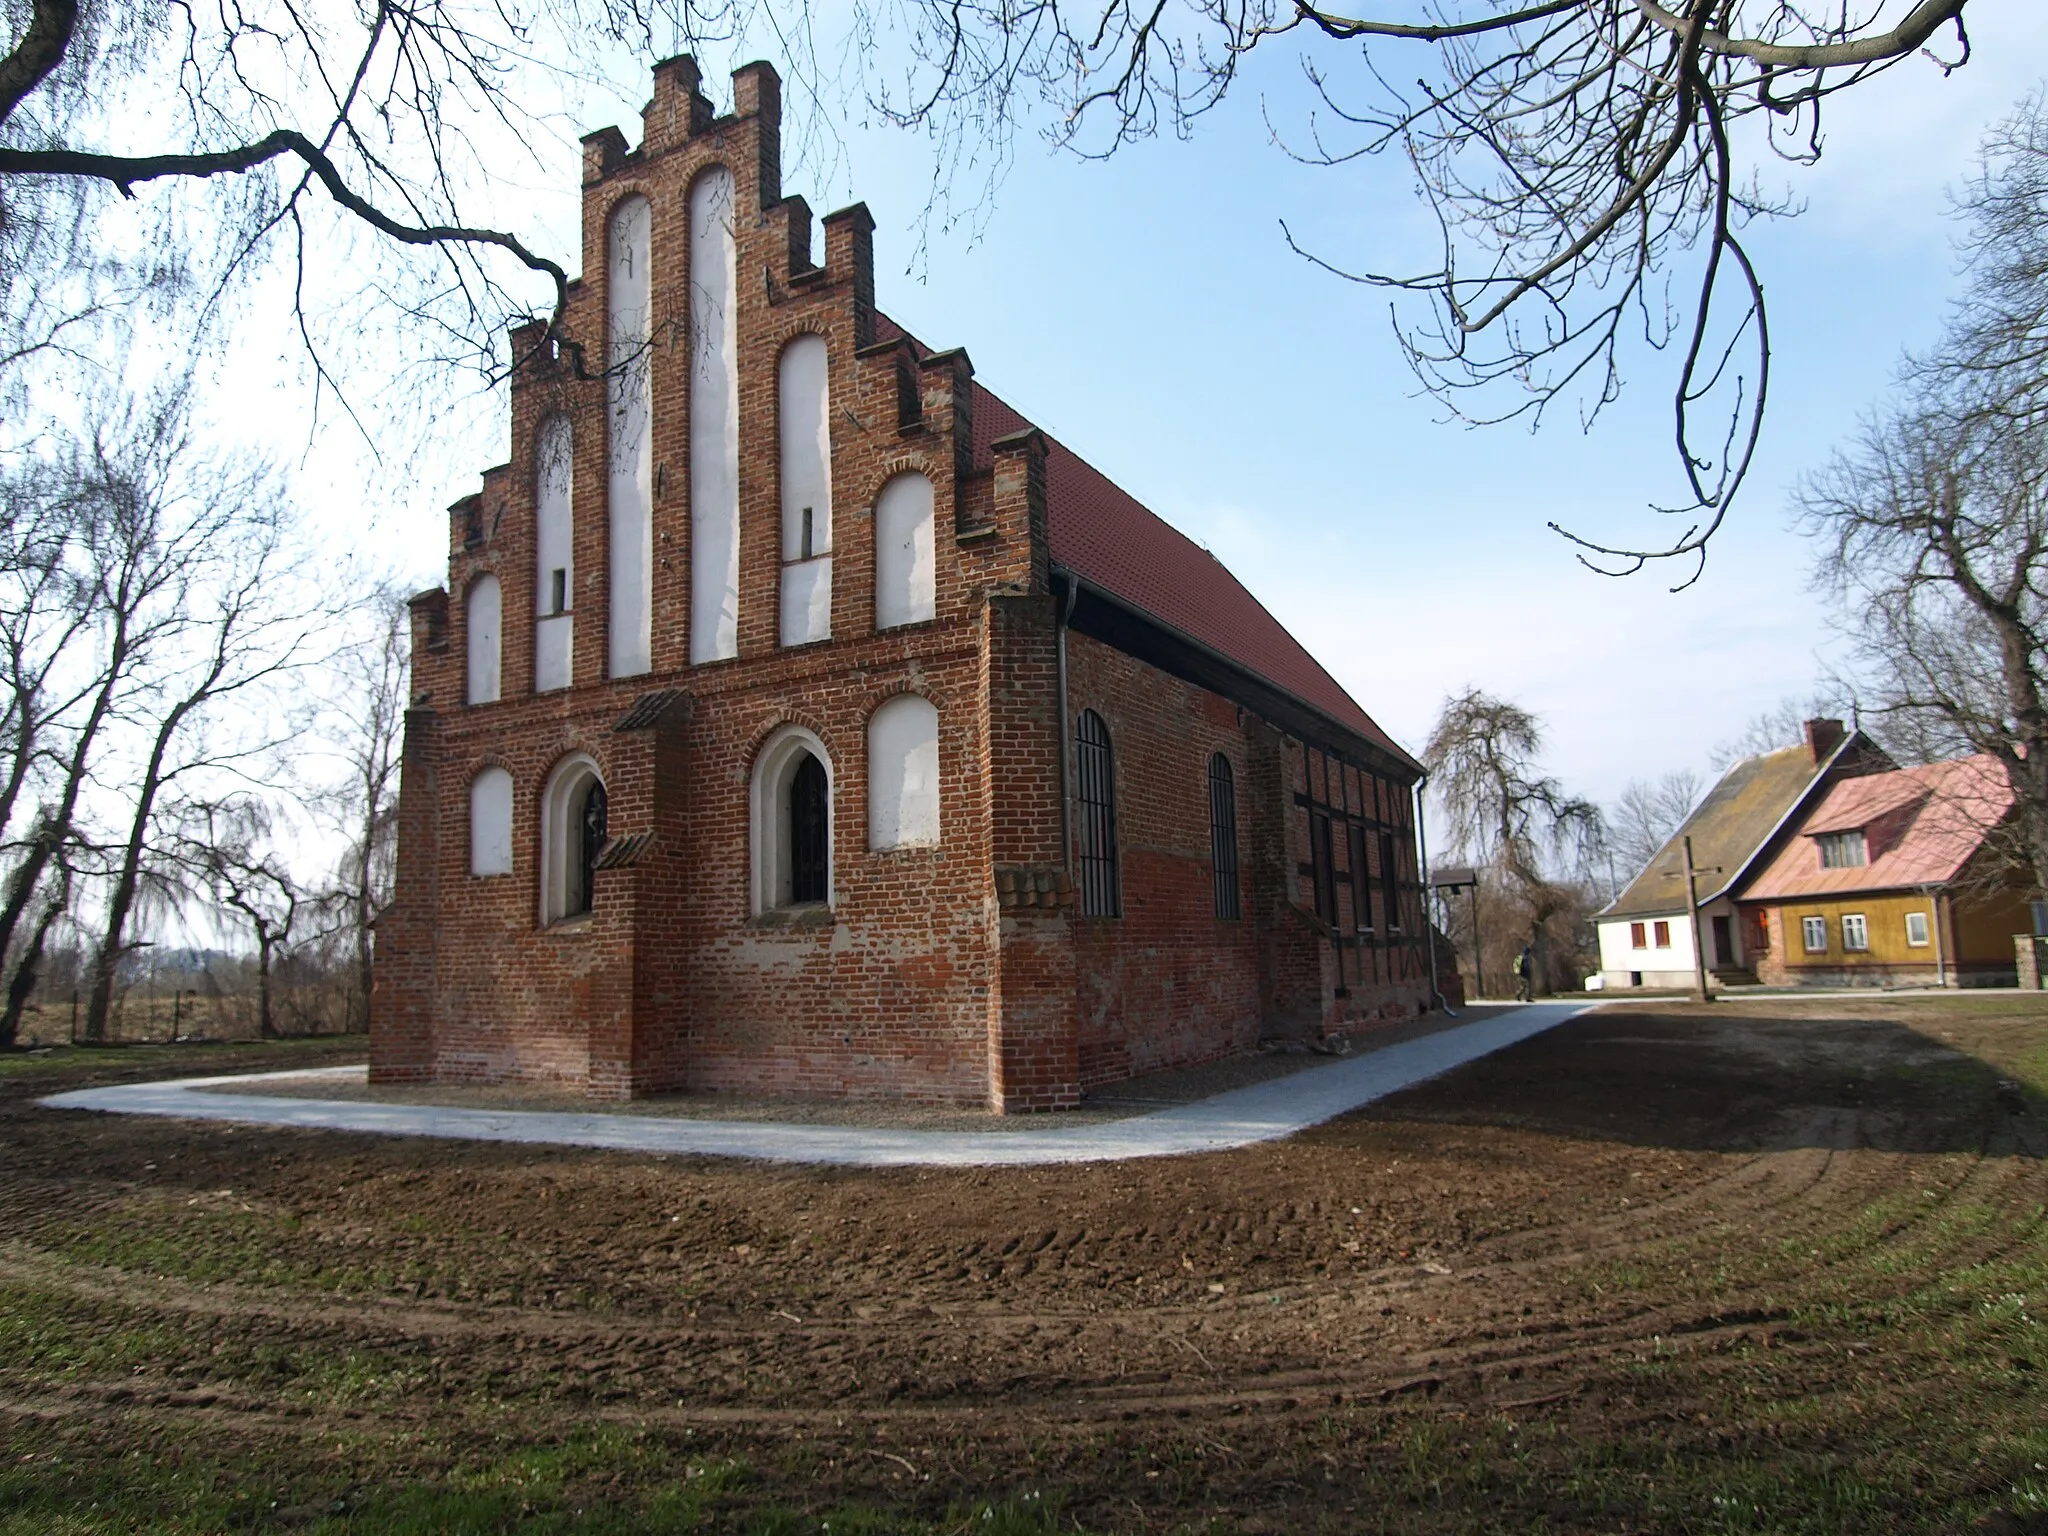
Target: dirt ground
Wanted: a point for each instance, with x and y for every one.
(1768, 1266)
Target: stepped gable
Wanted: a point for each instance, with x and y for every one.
(1104, 535)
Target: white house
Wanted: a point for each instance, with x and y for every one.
(1646, 937)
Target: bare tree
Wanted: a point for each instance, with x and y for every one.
(1573, 153)
(1502, 812)
(369, 723)
(1783, 725)
(226, 849)
(99, 506)
(243, 620)
(1933, 524)
(1645, 817)
(296, 130)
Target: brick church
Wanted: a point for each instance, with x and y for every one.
(799, 718)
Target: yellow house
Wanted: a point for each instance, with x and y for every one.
(1888, 881)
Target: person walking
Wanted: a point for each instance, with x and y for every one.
(1525, 975)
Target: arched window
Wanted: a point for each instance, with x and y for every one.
(792, 821)
(903, 773)
(1223, 836)
(810, 836)
(481, 619)
(804, 400)
(1095, 781)
(905, 586)
(574, 823)
(490, 823)
(554, 497)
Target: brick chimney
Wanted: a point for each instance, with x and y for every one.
(1822, 737)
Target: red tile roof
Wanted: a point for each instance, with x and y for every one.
(1103, 534)
(1944, 811)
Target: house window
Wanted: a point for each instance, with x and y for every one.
(903, 773)
(1916, 929)
(490, 823)
(1662, 932)
(1815, 932)
(792, 819)
(1843, 850)
(1638, 935)
(1855, 933)
(1223, 836)
(574, 825)
(1095, 779)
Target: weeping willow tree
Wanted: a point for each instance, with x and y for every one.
(1533, 842)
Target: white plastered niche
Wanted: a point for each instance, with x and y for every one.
(905, 585)
(714, 422)
(490, 823)
(632, 449)
(803, 396)
(554, 554)
(483, 620)
(903, 773)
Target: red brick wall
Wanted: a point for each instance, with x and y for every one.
(1167, 983)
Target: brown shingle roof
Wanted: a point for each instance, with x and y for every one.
(1922, 826)
(1727, 829)
(1105, 536)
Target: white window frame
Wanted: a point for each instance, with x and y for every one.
(774, 765)
(1916, 920)
(561, 827)
(1808, 926)
(1860, 943)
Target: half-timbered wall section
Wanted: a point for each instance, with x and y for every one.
(1360, 871)
(739, 762)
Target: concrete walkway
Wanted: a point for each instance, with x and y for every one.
(1264, 1112)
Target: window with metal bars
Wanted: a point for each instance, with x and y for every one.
(809, 832)
(1361, 883)
(1095, 782)
(1223, 836)
(1322, 857)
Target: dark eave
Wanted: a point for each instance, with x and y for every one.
(1104, 616)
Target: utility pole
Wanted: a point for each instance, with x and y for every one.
(1692, 914)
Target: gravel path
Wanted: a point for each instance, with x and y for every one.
(1260, 1112)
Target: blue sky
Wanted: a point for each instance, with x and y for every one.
(1147, 311)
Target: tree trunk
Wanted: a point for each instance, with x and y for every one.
(264, 943)
(21, 986)
(122, 899)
